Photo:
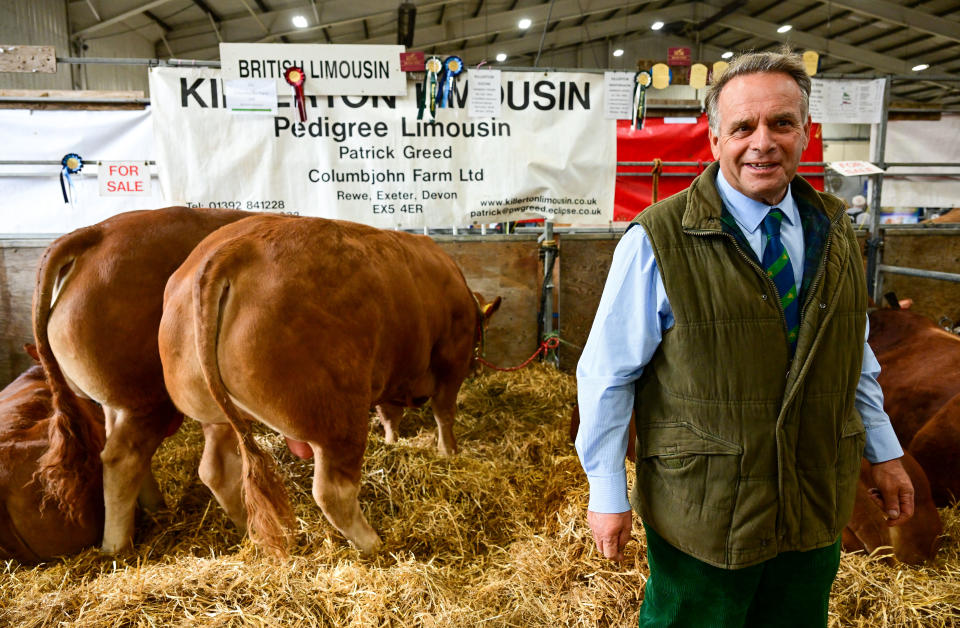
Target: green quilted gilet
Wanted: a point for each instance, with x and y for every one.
(741, 452)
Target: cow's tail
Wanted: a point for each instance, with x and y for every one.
(269, 515)
(73, 455)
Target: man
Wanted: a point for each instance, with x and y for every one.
(748, 385)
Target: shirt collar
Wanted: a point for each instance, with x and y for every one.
(750, 213)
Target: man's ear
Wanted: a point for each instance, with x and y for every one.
(806, 132)
(714, 143)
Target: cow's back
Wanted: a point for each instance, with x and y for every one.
(316, 306)
(103, 323)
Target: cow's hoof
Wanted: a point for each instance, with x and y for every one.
(370, 546)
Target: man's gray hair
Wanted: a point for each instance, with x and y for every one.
(784, 60)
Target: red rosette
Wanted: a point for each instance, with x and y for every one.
(295, 76)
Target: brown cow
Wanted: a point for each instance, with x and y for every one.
(952, 215)
(918, 360)
(97, 307)
(913, 542)
(30, 530)
(936, 447)
(304, 324)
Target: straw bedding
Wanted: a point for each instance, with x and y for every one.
(495, 536)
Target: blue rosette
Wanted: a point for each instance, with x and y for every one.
(71, 163)
(452, 67)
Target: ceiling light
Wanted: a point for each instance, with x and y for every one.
(299, 21)
(656, 25)
(501, 57)
(524, 24)
(784, 28)
(921, 67)
(727, 54)
(618, 52)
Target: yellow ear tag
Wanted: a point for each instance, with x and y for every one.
(810, 60)
(661, 75)
(698, 76)
(718, 69)
(486, 309)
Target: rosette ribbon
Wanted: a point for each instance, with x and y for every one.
(294, 76)
(431, 87)
(641, 82)
(72, 164)
(452, 67)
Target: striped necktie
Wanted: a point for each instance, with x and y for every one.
(778, 266)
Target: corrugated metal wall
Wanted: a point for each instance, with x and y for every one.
(35, 23)
(112, 77)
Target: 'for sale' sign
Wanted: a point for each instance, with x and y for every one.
(124, 178)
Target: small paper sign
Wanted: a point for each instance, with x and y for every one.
(618, 95)
(484, 98)
(855, 168)
(123, 178)
(251, 96)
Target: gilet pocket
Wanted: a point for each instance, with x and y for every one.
(682, 464)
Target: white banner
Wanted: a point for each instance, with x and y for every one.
(31, 201)
(550, 154)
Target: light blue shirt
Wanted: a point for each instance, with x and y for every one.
(633, 314)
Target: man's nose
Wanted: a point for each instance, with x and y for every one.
(762, 139)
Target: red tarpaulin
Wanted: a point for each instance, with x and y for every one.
(676, 142)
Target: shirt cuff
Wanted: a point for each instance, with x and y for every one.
(882, 444)
(608, 493)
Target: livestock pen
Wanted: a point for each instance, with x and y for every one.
(493, 536)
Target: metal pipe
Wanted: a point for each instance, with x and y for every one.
(923, 164)
(200, 63)
(874, 286)
(916, 272)
(57, 162)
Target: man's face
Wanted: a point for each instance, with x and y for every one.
(760, 134)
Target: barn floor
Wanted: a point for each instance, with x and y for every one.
(493, 536)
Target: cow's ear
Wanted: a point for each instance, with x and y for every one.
(490, 308)
(31, 350)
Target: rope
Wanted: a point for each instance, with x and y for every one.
(549, 344)
(657, 169)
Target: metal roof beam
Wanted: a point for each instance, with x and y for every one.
(480, 27)
(903, 16)
(117, 18)
(768, 30)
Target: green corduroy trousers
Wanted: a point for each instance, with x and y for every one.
(791, 590)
